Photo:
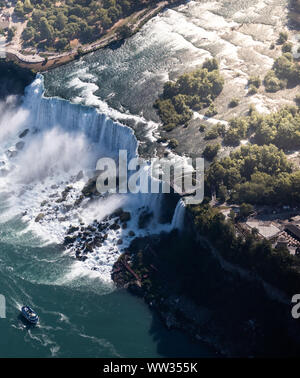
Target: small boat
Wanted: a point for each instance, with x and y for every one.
(29, 315)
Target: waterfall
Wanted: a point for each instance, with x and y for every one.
(178, 217)
(60, 139)
(110, 136)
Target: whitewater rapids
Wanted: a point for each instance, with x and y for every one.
(49, 144)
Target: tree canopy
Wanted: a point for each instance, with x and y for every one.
(53, 24)
(191, 91)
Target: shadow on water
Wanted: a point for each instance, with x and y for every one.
(27, 325)
(176, 344)
(13, 79)
(115, 45)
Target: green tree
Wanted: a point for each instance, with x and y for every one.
(245, 209)
(28, 6)
(61, 21)
(211, 151)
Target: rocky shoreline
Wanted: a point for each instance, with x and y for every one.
(231, 315)
(83, 239)
(14, 79)
(111, 38)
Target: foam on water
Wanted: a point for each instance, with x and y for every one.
(62, 140)
(237, 32)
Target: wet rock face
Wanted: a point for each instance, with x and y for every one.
(145, 219)
(90, 188)
(24, 133)
(84, 239)
(40, 217)
(13, 79)
(11, 154)
(72, 229)
(20, 145)
(69, 239)
(79, 176)
(114, 226)
(125, 216)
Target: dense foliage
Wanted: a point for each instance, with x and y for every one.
(257, 175)
(211, 151)
(191, 91)
(250, 253)
(280, 128)
(178, 272)
(285, 72)
(54, 23)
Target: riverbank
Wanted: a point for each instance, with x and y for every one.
(14, 78)
(43, 62)
(182, 280)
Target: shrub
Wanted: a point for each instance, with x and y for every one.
(211, 151)
(272, 83)
(283, 37)
(191, 91)
(173, 143)
(124, 32)
(234, 102)
(297, 100)
(287, 47)
(255, 81)
(211, 111)
(252, 90)
(221, 129)
(211, 134)
(246, 209)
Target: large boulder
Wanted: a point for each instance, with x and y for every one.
(20, 145)
(24, 133)
(40, 217)
(69, 240)
(90, 188)
(145, 218)
(125, 216)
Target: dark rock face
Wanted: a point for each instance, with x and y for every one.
(13, 79)
(231, 313)
(117, 213)
(79, 176)
(72, 229)
(90, 188)
(145, 218)
(125, 216)
(69, 239)
(24, 133)
(40, 217)
(20, 145)
(11, 154)
(115, 226)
